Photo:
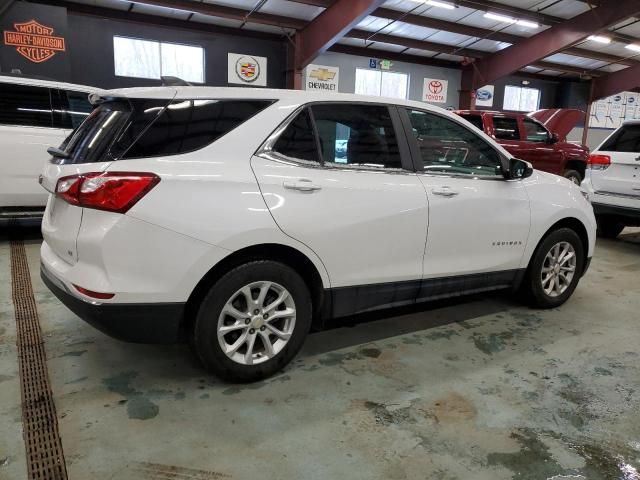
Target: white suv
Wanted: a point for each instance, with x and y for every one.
(233, 218)
(613, 180)
(34, 114)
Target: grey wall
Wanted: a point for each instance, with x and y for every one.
(595, 136)
(417, 73)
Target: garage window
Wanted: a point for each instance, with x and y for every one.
(521, 99)
(150, 59)
(381, 84)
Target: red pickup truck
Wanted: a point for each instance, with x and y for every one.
(538, 137)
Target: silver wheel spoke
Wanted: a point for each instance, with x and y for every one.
(248, 356)
(234, 312)
(281, 298)
(268, 347)
(231, 328)
(233, 348)
(279, 333)
(264, 289)
(558, 269)
(286, 313)
(246, 291)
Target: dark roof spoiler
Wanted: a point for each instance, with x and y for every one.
(169, 81)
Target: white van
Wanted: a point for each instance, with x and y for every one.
(34, 115)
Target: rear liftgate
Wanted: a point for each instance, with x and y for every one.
(45, 458)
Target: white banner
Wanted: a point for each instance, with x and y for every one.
(321, 78)
(435, 90)
(484, 96)
(247, 70)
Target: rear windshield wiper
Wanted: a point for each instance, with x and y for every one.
(57, 153)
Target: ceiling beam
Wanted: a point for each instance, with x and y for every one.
(627, 79)
(329, 27)
(551, 41)
(451, 50)
(222, 11)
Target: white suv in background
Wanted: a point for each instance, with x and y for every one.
(34, 115)
(236, 217)
(613, 180)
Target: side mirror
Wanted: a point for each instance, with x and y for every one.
(518, 169)
(553, 138)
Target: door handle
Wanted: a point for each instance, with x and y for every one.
(444, 191)
(302, 184)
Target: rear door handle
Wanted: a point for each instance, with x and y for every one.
(302, 184)
(444, 191)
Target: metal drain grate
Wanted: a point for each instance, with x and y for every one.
(45, 458)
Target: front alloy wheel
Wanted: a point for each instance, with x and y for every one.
(558, 269)
(555, 269)
(253, 321)
(256, 322)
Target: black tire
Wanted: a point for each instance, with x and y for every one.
(205, 338)
(532, 284)
(609, 227)
(573, 175)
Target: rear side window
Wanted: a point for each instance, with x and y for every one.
(183, 126)
(71, 108)
(25, 105)
(137, 128)
(475, 120)
(357, 134)
(627, 139)
(297, 141)
(506, 128)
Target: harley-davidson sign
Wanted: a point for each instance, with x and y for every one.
(34, 41)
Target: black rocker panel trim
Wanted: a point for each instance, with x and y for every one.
(363, 298)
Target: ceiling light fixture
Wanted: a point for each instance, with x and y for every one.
(527, 24)
(437, 3)
(634, 47)
(500, 18)
(599, 39)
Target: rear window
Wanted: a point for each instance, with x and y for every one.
(25, 105)
(506, 128)
(475, 120)
(627, 139)
(153, 128)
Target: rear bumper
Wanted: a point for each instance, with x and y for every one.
(133, 322)
(625, 214)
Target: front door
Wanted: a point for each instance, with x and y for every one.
(478, 221)
(349, 195)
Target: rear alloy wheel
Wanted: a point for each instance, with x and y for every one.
(574, 176)
(555, 269)
(609, 227)
(253, 321)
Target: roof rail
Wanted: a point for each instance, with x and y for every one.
(169, 81)
(18, 74)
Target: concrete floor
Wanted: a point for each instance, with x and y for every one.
(483, 389)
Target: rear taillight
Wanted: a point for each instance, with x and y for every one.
(111, 191)
(599, 162)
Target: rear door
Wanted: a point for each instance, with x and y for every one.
(363, 211)
(26, 130)
(622, 177)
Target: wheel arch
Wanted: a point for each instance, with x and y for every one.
(266, 251)
(573, 224)
(576, 164)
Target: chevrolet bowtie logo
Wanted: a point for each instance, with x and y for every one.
(322, 74)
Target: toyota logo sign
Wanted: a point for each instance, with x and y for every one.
(435, 86)
(435, 90)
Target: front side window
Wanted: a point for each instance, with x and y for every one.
(627, 139)
(356, 134)
(152, 59)
(506, 128)
(535, 132)
(448, 147)
(25, 105)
